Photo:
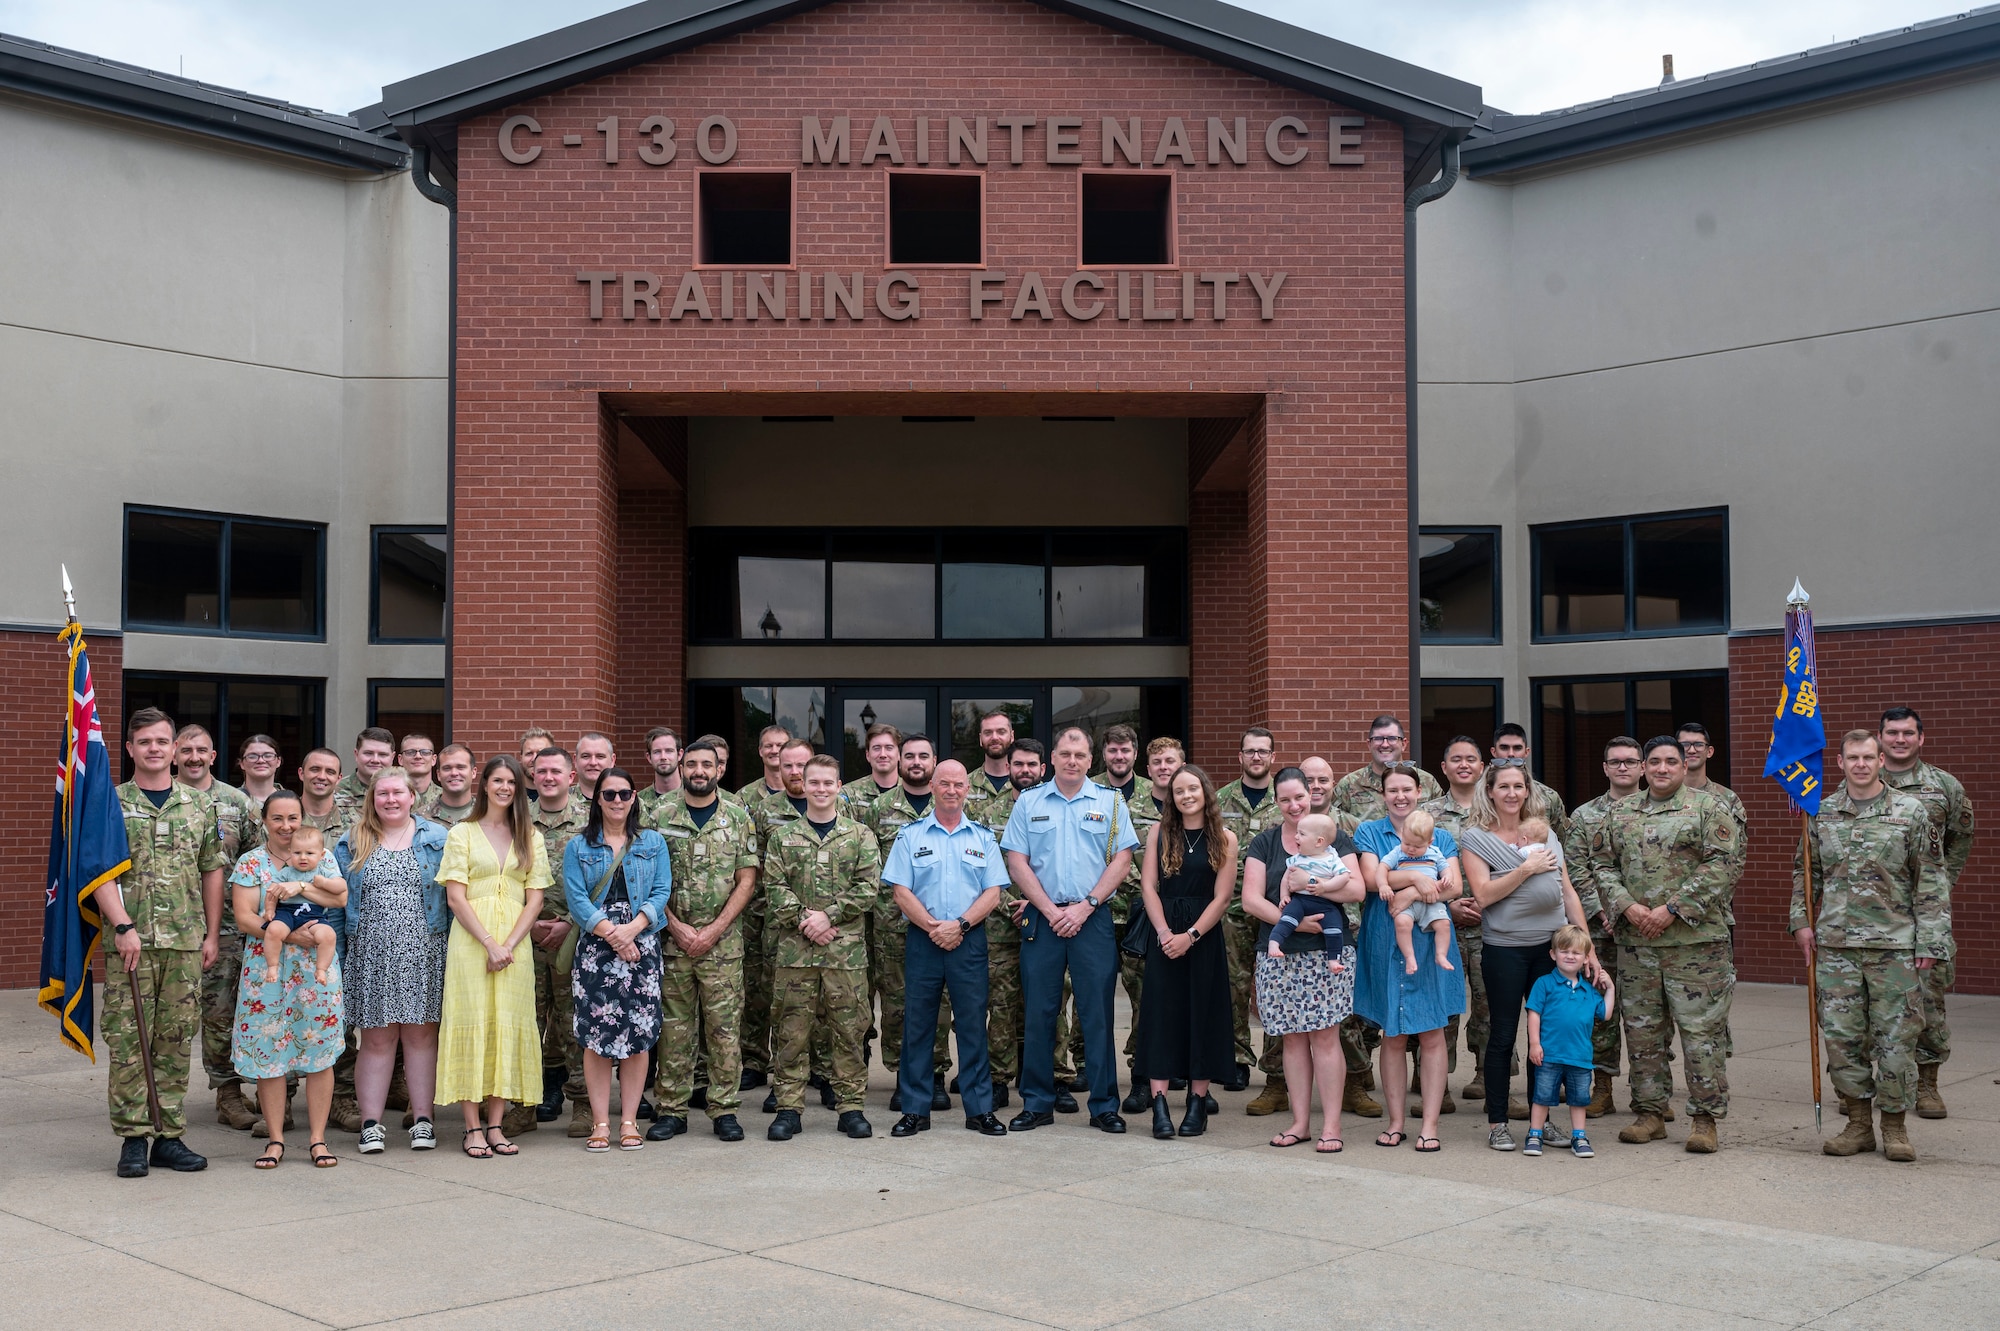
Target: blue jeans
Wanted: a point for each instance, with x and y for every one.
(927, 971)
(1552, 1078)
(1091, 959)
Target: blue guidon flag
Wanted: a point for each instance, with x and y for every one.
(87, 849)
(1797, 760)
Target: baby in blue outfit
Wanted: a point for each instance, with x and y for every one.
(1418, 852)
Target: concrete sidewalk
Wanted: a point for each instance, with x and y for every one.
(1064, 1227)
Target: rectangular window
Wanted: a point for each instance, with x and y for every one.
(963, 743)
(745, 218)
(885, 586)
(1574, 718)
(1127, 219)
(1454, 707)
(232, 708)
(406, 597)
(1459, 577)
(995, 586)
(739, 712)
(1645, 576)
(215, 573)
(408, 707)
(935, 217)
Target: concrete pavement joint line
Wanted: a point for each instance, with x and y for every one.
(1862, 1298)
(913, 1293)
(400, 1318)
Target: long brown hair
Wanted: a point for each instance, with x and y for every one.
(520, 824)
(1172, 848)
(367, 834)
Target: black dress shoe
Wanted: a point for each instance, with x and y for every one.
(940, 1098)
(1163, 1119)
(986, 1125)
(1077, 1083)
(1000, 1097)
(909, 1125)
(1239, 1080)
(173, 1153)
(896, 1101)
(132, 1158)
(855, 1124)
(1107, 1123)
(699, 1100)
(751, 1080)
(771, 1102)
(1177, 1083)
(785, 1126)
(1028, 1120)
(666, 1127)
(953, 1087)
(728, 1128)
(1195, 1121)
(1136, 1101)
(646, 1112)
(1065, 1103)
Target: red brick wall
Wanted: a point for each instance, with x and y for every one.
(536, 513)
(1951, 675)
(652, 589)
(1219, 697)
(33, 665)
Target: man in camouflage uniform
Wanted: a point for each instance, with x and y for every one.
(1905, 771)
(374, 749)
(1358, 1040)
(885, 818)
(712, 846)
(1144, 799)
(239, 828)
(1623, 772)
(1359, 793)
(417, 754)
(161, 920)
(1663, 861)
(822, 875)
(559, 812)
(663, 755)
(1510, 740)
(770, 810)
(770, 783)
(451, 797)
(1883, 919)
(880, 745)
(1700, 747)
(1247, 809)
(993, 778)
(1005, 1017)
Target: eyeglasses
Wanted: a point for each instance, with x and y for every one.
(260, 757)
(617, 796)
(1508, 762)
(1385, 739)
(1258, 753)
(419, 753)
(1623, 762)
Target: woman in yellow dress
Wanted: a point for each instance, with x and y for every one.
(494, 872)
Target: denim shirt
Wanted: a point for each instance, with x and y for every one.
(429, 846)
(649, 878)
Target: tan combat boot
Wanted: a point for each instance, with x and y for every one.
(1475, 1090)
(1859, 1134)
(1271, 1100)
(231, 1111)
(259, 1128)
(1600, 1096)
(1929, 1103)
(579, 1119)
(1517, 1107)
(1645, 1127)
(1356, 1100)
(1701, 1135)
(1896, 1139)
(517, 1120)
(346, 1114)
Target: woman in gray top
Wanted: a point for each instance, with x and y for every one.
(1524, 896)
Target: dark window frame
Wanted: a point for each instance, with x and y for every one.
(375, 535)
(889, 218)
(1173, 226)
(226, 744)
(1456, 640)
(222, 629)
(791, 265)
(1538, 634)
(1630, 679)
(1493, 682)
(1047, 535)
(376, 685)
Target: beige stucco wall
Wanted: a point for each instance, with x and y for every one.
(195, 325)
(1798, 319)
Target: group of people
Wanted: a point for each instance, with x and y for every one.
(505, 935)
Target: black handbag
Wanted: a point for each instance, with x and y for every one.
(1139, 932)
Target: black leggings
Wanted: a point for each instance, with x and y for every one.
(1510, 973)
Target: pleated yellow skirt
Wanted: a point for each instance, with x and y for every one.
(488, 1044)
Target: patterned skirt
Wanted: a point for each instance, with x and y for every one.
(1296, 993)
(617, 1001)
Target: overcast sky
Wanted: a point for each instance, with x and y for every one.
(1528, 55)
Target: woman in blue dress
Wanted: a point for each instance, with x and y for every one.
(1402, 1004)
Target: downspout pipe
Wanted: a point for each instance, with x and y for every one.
(420, 176)
(1415, 198)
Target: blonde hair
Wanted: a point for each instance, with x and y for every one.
(366, 835)
(1319, 825)
(1572, 938)
(1535, 829)
(1485, 815)
(1419, 824)
(309, 832)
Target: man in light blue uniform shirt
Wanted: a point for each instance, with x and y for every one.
(1069, 844)
(946, 873)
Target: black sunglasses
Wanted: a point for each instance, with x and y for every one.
(618, 795)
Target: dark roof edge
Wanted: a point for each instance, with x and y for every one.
(1863, 65)
(644, 31)
(51, 73)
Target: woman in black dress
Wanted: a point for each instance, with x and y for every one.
(1185, 1024)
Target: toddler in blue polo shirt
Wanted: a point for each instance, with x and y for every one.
(1562, 1008)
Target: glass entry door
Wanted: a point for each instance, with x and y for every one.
(856, 707)
(1023, 704)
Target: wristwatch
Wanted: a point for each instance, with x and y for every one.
(963, 927)
(124, 928)
(1090, 901)
(1194, 933)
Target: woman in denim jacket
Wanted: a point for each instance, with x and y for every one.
(616, 879)
(394, 938)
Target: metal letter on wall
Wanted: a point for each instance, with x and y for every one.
(508, 128)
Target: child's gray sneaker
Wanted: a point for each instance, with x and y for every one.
(1500, 1139)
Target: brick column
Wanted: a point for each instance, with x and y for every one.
(652, 588)
(1218, 562)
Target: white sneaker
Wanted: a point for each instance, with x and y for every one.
(372, 1137)
(423, 1137)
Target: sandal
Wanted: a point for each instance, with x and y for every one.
(269, 1161)
(629, 1139)
(1285, 1139)
(1324, 1149)
(501, 1147)
(599, 1139)
(1383, 1140)
(1434, 1147)
(321, 1155)
(479, 1152)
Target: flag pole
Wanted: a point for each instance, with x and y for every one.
(1812, 965)
(131, 976)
